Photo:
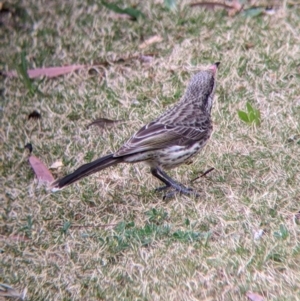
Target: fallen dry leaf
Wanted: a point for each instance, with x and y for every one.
(41, 171)
(103, 122)
(150, 41)
(233, 8)
(236, 7)
(254, 296)
(56, 164)
(48, 72)
(209, 5)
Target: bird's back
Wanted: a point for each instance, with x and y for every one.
(194, 108)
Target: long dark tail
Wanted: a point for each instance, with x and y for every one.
(87, 169)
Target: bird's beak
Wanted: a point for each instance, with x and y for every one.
(214, 67)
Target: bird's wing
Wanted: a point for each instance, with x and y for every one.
(156, 136)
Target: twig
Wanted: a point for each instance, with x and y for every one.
(203, 175)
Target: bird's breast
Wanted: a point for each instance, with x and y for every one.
(175, 155)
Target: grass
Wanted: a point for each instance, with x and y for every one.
(110, 237)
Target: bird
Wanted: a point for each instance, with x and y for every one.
(168, 141)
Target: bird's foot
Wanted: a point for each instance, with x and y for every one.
(171, 185)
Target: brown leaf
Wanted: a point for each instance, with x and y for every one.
(48, 72)
(210, 5)
(236, 7)
(150, 41)
(103, 122)
(41, 171)
(233, 8)
(254, 296)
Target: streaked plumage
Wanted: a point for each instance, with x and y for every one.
(168, 141)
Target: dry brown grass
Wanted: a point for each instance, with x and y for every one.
(109, 237)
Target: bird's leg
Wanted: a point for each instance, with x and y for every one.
(161, 175)
(161, 188)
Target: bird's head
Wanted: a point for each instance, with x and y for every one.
(202, 86)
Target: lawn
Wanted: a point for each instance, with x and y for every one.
(111, 236)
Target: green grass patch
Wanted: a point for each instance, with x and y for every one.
(110, 236)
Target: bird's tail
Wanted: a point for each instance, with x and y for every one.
(86, 170)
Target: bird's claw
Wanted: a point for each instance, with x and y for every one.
(177, 190)
(158, 189)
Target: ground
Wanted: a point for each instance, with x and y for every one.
(110, 236)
